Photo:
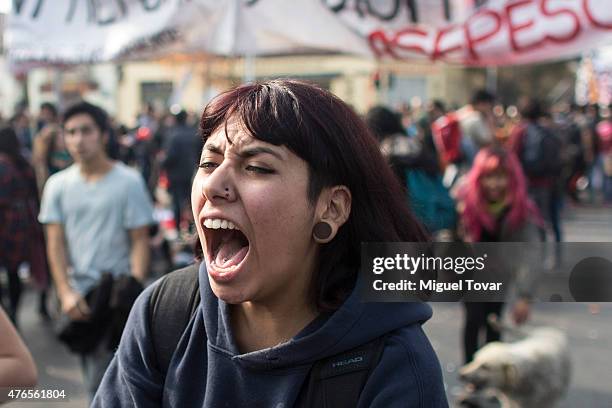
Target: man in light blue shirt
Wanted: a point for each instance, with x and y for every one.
(97, 214)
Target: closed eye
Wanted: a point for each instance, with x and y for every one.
(260, 170)
(208, 165)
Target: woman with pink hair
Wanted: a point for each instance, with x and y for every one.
(494, 207)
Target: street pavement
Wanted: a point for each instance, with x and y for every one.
(590, 336)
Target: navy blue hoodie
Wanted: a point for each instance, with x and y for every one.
(207, 370)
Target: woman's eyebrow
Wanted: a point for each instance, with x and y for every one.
(254, 151)
(213, 149)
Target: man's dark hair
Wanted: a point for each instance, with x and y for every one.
(50, 107)
(98, 114)
(181, 117)
(383, 122)
(439, 105)
(339, 150)
(482, 96)
(532, 109)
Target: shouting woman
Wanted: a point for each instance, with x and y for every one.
(290, 184)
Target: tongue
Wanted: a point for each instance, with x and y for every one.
(231, 253)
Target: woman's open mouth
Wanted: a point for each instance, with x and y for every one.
(226, 246)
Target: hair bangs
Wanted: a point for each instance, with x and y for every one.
(282, 121)
(246, 104)
(493, 164)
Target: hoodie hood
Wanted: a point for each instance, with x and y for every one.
(353, 324)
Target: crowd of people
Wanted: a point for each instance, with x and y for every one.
(112, 200)
(91, 187)
(564, 150)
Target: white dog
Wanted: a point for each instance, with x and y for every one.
(531, 373)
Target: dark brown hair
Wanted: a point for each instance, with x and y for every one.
(339, 150)
(97, 114)
(9, 145)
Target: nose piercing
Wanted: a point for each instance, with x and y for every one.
(227, 194)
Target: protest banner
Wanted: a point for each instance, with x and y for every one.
(468, 32)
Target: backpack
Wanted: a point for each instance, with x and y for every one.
(541, 152)
(336, 381)
(446, 132)
(430, 201)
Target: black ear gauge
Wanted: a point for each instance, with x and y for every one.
(322, 230)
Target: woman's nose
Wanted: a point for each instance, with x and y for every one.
(219, 185)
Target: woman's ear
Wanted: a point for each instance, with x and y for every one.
(333, 210)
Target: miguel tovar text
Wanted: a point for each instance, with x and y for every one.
(433, 285)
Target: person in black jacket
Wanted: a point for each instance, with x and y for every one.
(182, 153)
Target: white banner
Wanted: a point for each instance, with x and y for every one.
(67, 31)
(470, 32)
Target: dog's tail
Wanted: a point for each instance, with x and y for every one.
(502, 327)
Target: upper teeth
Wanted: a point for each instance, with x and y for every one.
(216, 223)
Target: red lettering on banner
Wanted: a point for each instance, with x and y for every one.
(514, 29)
(406, 33)
(379, 37)
(529, 24)
(589, 14)
(383, 44)
(472, 41)
(553, 13)
(438, 52)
